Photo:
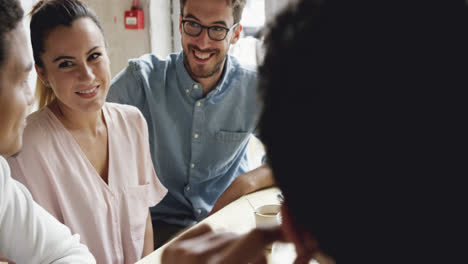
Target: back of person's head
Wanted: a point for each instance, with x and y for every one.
(46, 15)
(11, 15)
(354, 103)
(237, 6)
(287, 77)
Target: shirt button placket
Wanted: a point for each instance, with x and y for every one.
(197, 134)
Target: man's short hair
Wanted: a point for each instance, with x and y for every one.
(237, 8)
(11, 15)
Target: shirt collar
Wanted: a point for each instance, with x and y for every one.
(187, 83)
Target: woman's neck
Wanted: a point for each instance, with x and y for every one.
(72, 120)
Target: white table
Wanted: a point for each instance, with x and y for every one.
(237, 217)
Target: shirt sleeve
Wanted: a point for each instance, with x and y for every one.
(158, 190)
(127, 86)
(29, 234)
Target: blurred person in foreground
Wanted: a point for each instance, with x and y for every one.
(374, 99)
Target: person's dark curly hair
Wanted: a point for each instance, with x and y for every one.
(11, 15)
(294, 46)
(346, 123)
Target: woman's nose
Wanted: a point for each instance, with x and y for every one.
(86, 73)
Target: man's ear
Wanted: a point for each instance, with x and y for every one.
(180, 23)
(42, 75)
(237, 34)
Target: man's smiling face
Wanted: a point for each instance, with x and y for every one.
(204, 57)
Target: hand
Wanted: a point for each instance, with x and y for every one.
(204, 246)
(3, 259)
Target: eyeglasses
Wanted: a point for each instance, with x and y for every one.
(216, 33)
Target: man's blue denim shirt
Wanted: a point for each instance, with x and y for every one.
(198, 144)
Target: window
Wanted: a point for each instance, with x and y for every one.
(253, 18)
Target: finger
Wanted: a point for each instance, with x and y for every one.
(260, 260)
(252, 245)
(208, 243)
(221, 240)
(197, 231)
(180, 248)
(197, 249)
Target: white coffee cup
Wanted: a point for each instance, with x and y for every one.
(267, 215)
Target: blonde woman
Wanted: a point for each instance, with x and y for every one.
(86, 161)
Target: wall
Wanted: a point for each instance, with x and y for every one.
(176, 41)
(27, 7)
(272, 7)
(161, 34)
(161, 27)
(123, 44)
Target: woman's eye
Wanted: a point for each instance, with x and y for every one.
(65, 64)
(94, 56)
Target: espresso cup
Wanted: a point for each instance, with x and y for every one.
(267, 215)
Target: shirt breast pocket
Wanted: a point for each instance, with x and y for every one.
(138, 209)
(231, 137)
(228, 144)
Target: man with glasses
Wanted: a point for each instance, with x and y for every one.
(201, 107)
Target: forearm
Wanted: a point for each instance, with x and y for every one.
(256, 179)
(251, 181)
(148, 247)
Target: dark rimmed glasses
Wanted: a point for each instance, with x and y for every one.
(216, 33)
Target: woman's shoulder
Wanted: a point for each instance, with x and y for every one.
(38, 136)
(36, 124)
(122, 109)
(124, 113)
(127, 120)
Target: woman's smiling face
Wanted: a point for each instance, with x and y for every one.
(76, 65)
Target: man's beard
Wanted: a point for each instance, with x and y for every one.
(216, 68)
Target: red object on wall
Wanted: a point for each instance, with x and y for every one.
(134, 18)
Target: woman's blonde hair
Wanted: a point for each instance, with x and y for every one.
(44, 95)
